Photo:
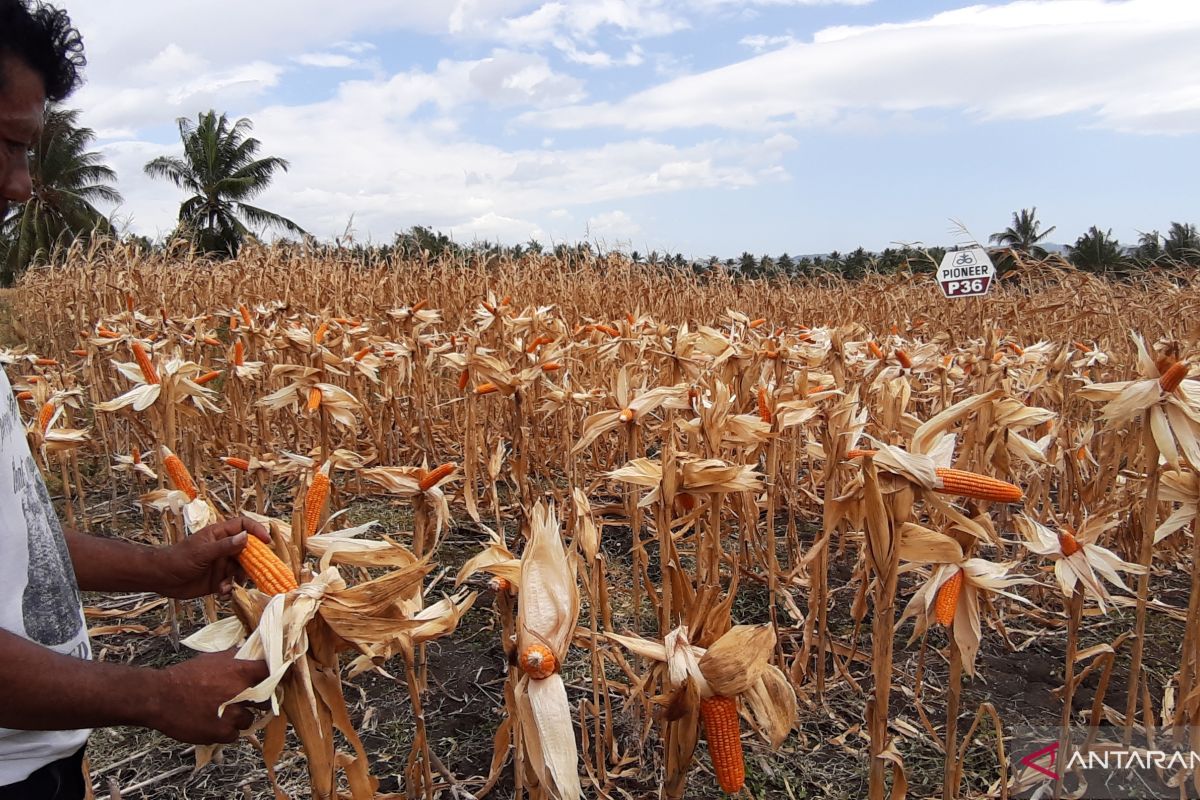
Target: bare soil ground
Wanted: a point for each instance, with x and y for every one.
(1020, 672)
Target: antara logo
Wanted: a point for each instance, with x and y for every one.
(1048, 756)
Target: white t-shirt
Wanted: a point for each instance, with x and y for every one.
(39, 599)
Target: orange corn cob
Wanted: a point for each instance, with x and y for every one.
(239, 353)
(722, 731)
(314, 399)
(764, 410)
(491, 309)
(361, 354)
(771, 354)
(314, 499)
(81, 353)
(551, 366)
(433, 476)
(46, 362)
(211, 341)
(233, 323)
(245, 312)
(539, 662)
(486, 388)
(237, 463)
(875, 350)
(1083, 348)
(181, 479)
(45, 414)
(507, 300)
(319, 334)
(979, 487)
(1016, 348)
(136, 456)
(947, 598)
(498, 584)
(105, 333)
(904, 360)
(420, 304)
(757, 323)
(1069, 544)
(609, 329)
(269, 574)
(626, 415)
(1174, 376)
(208, 377)
(463, 378)
(538, 342)
(25, 396)
(144, 362)
(129, 303)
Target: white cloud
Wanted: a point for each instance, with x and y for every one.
(613, 227)
(326, 60)
(1129, 66)
(760, 42)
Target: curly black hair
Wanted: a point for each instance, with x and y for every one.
(42, 37)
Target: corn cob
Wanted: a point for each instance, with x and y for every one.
(609, 329)
(420, 304)
(1173, 376)
(245, 312)
(208, 377)
(45, 414)
(46, 362)
(491, 309)
(626, 415)
(105, 333)
(269, 574)
(181, 479)
(314, 499)
(80, 352)
(764, 410)
(499, 585)
(486, 388)
(233, 323)
(551, 366)
(314, 399)
(361, 354)
(143, 361)
(26, 395)
(875, 349)
(978, 487)
(538, 342)
(722, 731)
(1069, 544)
(947, 598)
(904, 360)
(507, 300)
(757, 323)
(237, 463)
(539, 662)
(211, 341)
(430, 479)
(319, 334)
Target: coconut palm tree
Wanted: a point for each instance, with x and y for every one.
(1183, 243)
(222, 171)
(1024, 234)
(1097, 251)
(1149, 247)
(67, 180)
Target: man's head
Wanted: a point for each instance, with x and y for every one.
(41, 55)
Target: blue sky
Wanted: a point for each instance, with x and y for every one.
(706, 127)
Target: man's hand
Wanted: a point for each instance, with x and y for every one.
(206, 562)
(186, 697)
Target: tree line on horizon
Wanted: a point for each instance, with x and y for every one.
(221, 171)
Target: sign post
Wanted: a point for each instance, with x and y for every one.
(966, 273)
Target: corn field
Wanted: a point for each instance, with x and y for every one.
(704, 513)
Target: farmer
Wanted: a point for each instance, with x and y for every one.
(51, 691)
